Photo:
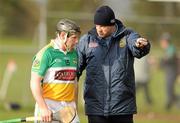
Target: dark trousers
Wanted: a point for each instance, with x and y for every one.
(110, 119)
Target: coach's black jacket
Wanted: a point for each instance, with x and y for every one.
(109, 83)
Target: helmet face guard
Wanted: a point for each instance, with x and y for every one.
(68, 26)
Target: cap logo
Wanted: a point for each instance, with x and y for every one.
(112, 21)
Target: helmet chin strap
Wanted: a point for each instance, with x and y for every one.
(63, 41)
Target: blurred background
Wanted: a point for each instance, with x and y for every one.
(28, 25)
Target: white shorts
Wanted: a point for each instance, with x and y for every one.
(55, 106)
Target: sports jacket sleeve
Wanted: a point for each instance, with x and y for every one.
(131, 39)
(81, 50)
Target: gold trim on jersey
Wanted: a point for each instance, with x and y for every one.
(59, 92)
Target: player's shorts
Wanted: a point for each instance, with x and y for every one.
(55, 106)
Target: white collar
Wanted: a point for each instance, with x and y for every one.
(57, 45)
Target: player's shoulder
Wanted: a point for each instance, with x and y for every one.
(45, 50)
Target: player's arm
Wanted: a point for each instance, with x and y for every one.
(35, 85)
(76, 93)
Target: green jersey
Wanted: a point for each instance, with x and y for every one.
(58, 69)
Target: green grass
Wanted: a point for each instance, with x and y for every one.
(20, 93)
(17, 41)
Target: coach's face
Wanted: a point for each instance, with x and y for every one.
(104, 31)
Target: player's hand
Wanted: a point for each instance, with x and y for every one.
(141, 42)
(46, 115)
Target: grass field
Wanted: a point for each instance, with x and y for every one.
(19, 92)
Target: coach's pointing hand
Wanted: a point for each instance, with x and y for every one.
(141, 42)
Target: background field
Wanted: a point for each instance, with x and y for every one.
(26, 24)
(19, 91)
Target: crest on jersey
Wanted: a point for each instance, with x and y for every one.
(36, 63)
(74, 60)
(93, 44)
